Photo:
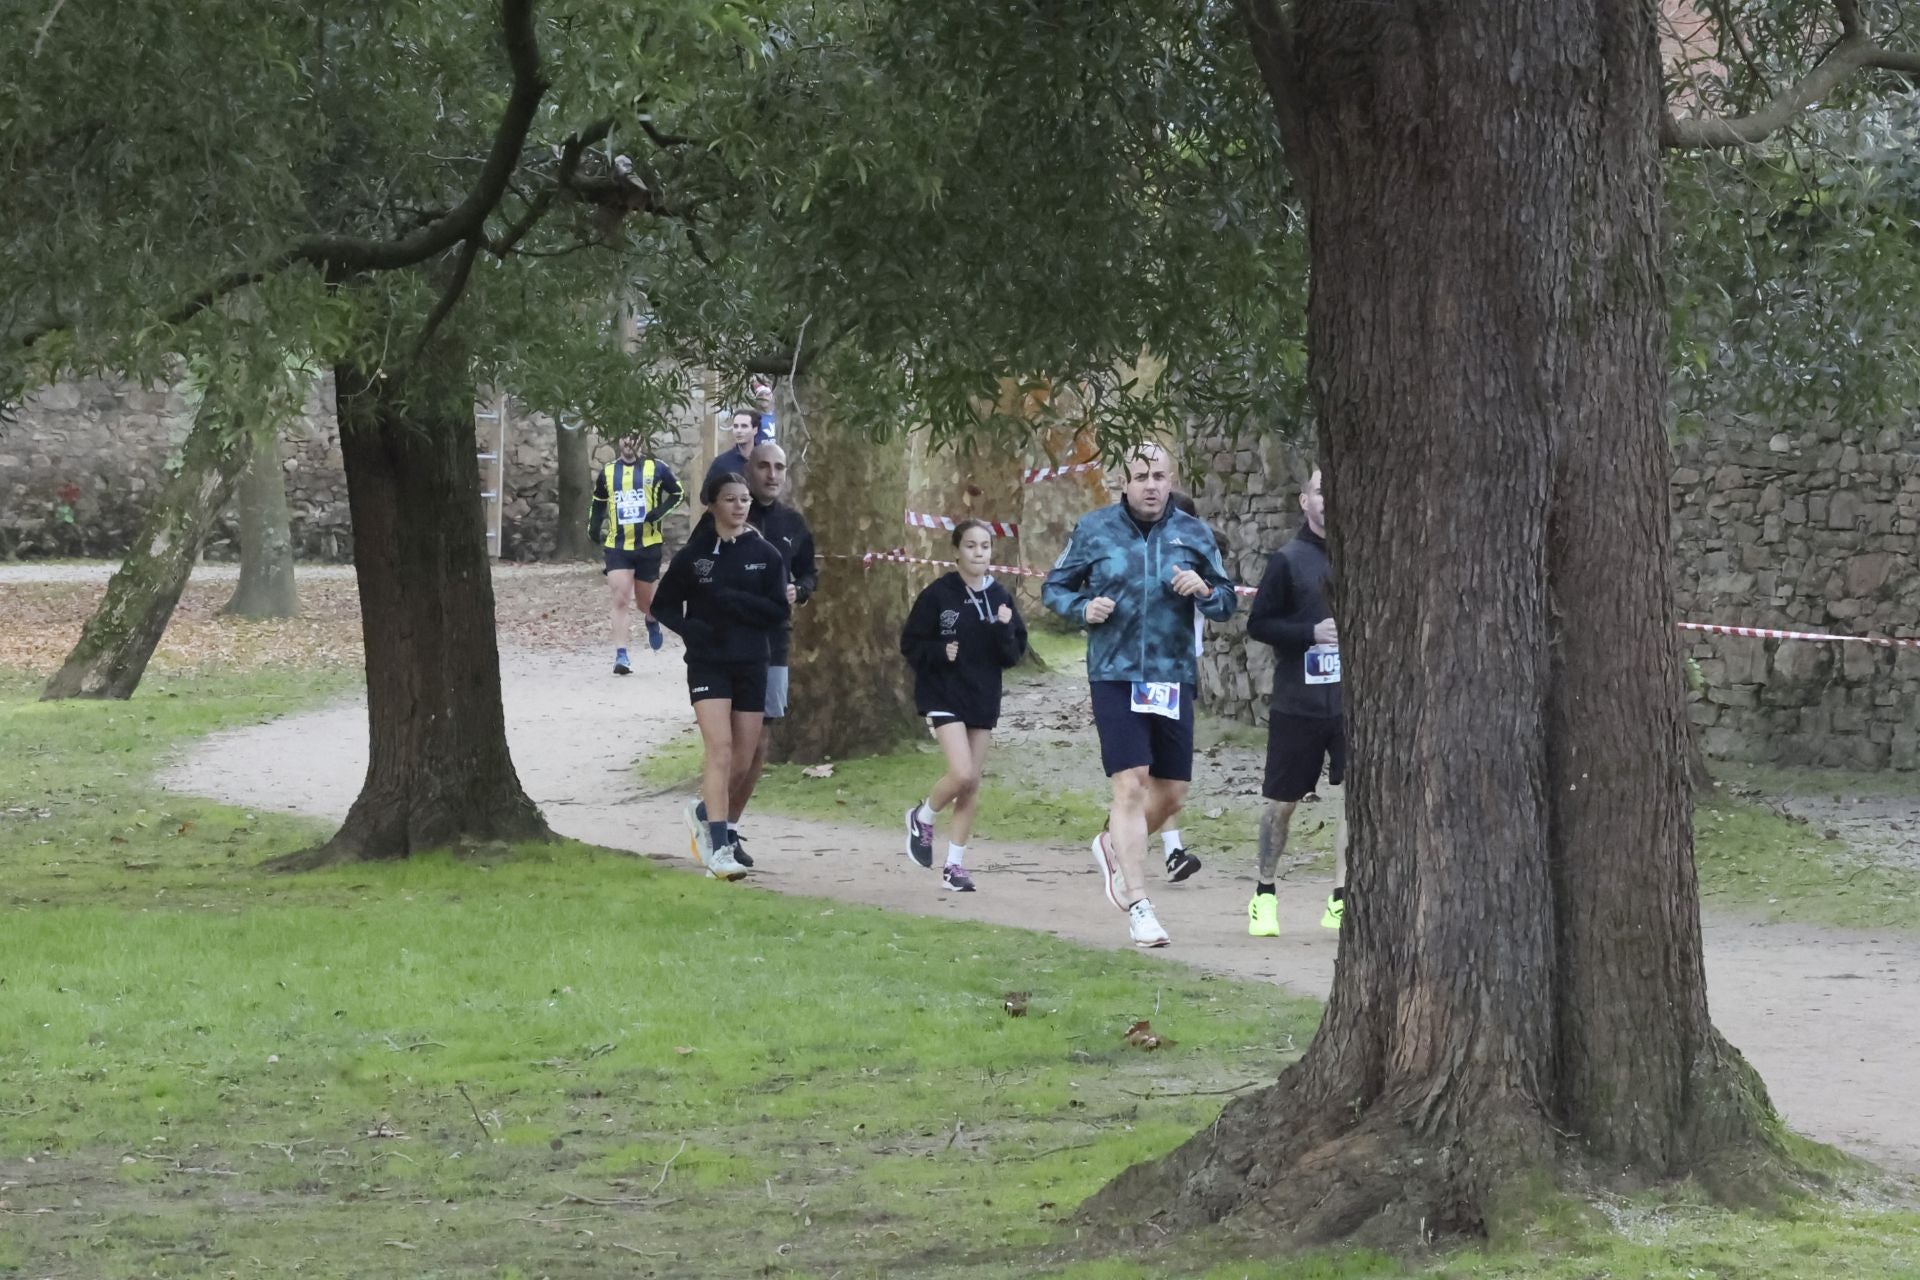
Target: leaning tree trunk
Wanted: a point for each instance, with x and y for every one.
(576, 492)
(118, 640)
(266, 588)
(1520, 979)
(851, 694)
(438, 770)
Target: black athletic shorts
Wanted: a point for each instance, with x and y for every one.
(1296, 748)
(742, 683)
(645, 563)
(940, 719)
(1130, 739)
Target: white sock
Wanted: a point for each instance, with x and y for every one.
(1170, 840)
(956, 854)
(923, 813)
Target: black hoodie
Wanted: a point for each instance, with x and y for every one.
(968, 686)
(727, 600)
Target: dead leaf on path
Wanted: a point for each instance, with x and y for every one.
(817, 771)
(1141, 1035)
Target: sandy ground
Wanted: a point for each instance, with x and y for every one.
(1831, 1018)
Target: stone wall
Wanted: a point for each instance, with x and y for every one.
(81, 459)
(1810, 530)
(1806, 530)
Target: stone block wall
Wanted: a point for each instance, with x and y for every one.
(1816, 529)
(82, 458)
(1813, 529)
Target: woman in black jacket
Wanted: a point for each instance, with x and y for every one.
(962, 633)
(725, 594)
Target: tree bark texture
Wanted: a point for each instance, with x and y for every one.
(119, 639)
(851, 692)
(438, 771)
(1520, 980)
(573, 449)
(266, 588)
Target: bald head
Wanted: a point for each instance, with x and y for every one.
(767, 471)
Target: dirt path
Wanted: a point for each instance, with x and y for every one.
(1831, 1018)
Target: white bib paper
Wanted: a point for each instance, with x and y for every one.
(1323, 664)
(1156, 698)
(630, 506)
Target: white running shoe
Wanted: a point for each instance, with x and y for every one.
(1112, 880)
(1144, 926)
(722, 865)
(700, 846)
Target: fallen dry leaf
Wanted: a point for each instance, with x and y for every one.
(817, 771)
(1141, 1035)
(683, 1049)
(1016, 1003)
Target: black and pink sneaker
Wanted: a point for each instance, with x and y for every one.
(919, 838)
(954, 876)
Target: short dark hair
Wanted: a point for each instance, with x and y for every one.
(960, 530)
(751, 413)
(1181, 501)
(711, 489)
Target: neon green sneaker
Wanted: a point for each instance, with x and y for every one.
(1336, 912)
(1263, 917)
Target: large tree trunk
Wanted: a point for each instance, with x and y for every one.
(852, 694)
(266, 588)
(1520, 977)
(438, 771)
(118, 640)
(576, 492)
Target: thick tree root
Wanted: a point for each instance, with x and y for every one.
(394, 836)
(1283, 1166)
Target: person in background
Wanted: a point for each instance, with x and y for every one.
(631, 496)
(744, 424)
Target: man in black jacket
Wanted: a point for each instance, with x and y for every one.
(1305, 729)
(787, 530)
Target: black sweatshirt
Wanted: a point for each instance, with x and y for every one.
(1291, 601)
(787, 530)
(969, 686)
(727, 600)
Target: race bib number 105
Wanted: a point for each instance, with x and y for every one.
(1323, 664)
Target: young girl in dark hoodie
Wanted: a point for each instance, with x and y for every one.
(725, 594)
(962, 633)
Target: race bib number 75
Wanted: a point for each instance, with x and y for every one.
(1323, 664)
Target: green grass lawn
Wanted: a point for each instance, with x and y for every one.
(559, 1061)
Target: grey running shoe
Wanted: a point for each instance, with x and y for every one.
(919, 838)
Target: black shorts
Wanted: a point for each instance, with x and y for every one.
(940, 719)
(742, 683)
(1130, 739)
(1296, 748)
(644, 563)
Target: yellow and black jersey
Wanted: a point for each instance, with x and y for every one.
(630, 499)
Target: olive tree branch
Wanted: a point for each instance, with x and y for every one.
(1853, 52)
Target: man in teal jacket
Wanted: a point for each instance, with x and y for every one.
(1133, 574)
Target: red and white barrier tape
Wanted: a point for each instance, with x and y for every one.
(1037, 474)
(899, 556)
(1000, 529)
(1767, 633)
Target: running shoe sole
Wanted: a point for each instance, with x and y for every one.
(694, 833)
(1109, 868)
